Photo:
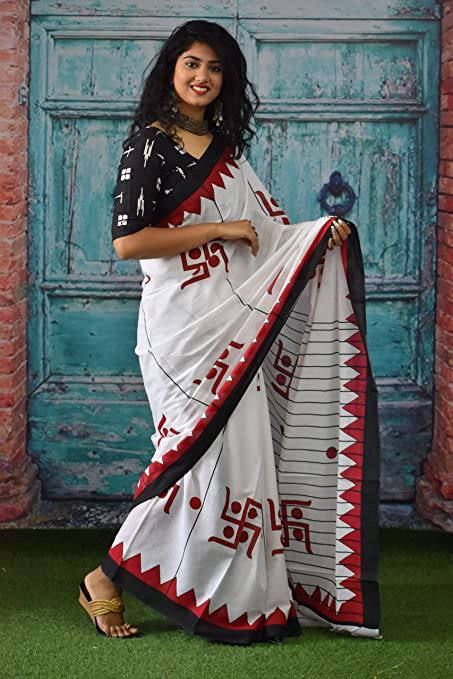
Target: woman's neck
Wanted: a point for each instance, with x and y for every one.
(194, 112)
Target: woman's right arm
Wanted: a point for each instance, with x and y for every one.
(136, 196)
(153, 242)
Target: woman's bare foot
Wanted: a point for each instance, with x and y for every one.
(100, 586)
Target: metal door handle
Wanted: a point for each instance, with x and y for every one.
(336, 186)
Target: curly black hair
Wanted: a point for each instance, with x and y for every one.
(237, 108)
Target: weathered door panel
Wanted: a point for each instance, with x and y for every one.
(360, 97)
(344, 86)
(89, 419)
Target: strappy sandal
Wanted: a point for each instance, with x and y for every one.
(96, 607)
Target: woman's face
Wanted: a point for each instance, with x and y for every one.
(199, 65)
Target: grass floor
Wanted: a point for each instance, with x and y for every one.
(45, 633)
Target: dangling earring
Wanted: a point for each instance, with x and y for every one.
(218, 113)
(173, 101)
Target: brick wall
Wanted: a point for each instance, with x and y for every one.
(19, 486)
(435, 489)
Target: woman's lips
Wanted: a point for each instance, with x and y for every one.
(201, 91)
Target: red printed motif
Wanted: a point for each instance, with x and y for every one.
(173, 494)
(164, 431)
(271, 287)
(219, 368)
(300, 529)
(194, 502)
(275, 524)
(201, 269)
(239, 534)
(282, 363)
(270, 207)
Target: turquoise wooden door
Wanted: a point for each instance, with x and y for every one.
(344, 89)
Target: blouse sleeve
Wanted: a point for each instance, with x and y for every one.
(138, 183)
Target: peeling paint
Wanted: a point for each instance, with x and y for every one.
(403, 87)
(330, 103)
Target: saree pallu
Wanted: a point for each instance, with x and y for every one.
(257, 514)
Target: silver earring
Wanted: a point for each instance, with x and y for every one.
(173, 100)
(218, 114)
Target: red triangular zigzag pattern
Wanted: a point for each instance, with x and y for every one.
(219, 617)
(352, 609)
(206, 190)
(315, 602)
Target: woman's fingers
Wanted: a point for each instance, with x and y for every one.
(340, 232)
(342, 227)
(255, 241)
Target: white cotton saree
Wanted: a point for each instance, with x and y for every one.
(257, 512)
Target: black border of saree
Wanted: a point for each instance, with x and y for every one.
(369, 528)
(188, 620)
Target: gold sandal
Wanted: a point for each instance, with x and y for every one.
(96, 607)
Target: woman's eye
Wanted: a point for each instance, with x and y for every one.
(192, 63)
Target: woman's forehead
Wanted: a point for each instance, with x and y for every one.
(201, 51)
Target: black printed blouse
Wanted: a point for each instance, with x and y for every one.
(150, 168)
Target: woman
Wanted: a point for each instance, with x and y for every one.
(258, 511)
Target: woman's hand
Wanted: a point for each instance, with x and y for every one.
(339, 233)
(240, 230)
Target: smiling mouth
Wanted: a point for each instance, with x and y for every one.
(200, 90)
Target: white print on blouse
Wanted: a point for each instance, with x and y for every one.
(141, 203)
(125, 174)
(127, 151)
(147, 151)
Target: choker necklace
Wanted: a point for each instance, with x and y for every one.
(199, 127)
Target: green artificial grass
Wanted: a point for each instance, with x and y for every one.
(45, 633)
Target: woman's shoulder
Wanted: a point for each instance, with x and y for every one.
(162, 140)
(147, 132)
(155, 126)
(148, 141)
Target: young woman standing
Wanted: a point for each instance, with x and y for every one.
(251, 339)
